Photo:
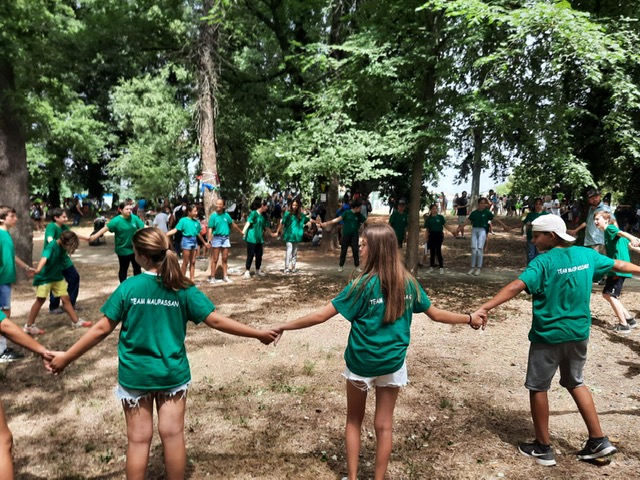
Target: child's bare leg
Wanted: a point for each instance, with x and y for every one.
(171, 429)
(618, 308)
(587, 408)
(6, 444)
(225, 266)
(214, 261)
(192, 263)
(68, 308)
(139, 435)
(540, 415)
(185, 261)
(383, 423)
(35, 309)
(356, 403)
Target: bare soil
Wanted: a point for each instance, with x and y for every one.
(278, 412)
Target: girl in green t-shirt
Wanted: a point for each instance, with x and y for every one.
(253, 233)
(190, 228)
(293, 224)
(153, 368)
(379, 303)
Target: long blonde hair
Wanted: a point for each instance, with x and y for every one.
(152, 243)
(384, 261)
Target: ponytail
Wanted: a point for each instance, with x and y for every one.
(154, 244)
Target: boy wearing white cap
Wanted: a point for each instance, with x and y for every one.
(560, 285)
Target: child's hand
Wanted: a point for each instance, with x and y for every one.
(59, 362)
(479, 319)
(268, 336)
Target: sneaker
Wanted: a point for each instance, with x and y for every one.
(622, 329)
(81, 324)
(596, 448)
(542, 453)
(295, 270)
(247, 274)
(287, 271)
(477, 272)
(56, 311)
(32, 329)
(260, 273)
(632, 322)
(227, 280)
(340, 269)
(471, 272)
(441, 271)
(211, 280)
(10, 355)
(358, 269)
(432, 270)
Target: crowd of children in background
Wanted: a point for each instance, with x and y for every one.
(379, 301)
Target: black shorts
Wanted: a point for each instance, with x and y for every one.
(613, 286)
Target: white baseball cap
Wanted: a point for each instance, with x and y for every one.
(552, 223)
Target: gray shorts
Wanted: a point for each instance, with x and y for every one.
(545, 359)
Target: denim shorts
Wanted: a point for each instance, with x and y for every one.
(5, 296)
(395, 379)
(221, 241)
(131, 397)
(189, 243)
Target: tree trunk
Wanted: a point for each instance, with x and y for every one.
(329, 234)
(14, 176)
(476, 168)
(208, 108)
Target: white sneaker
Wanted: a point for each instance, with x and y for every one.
(431, 270)
(247, 274)
(295, 270)
(340, 269)
(287, 271)
(358, 269)
(441, 271)
(260, 273)
(471, 272)
(227, 280)
(477, 272)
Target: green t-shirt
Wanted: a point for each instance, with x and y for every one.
(435, 223)
(481, 218)
(7, 259)
(151, 350)
(398, 222)
(531, 216)
(617, 248)
(559, 282)
(52, 270)
(352, 222)
(51, 234)
(124, 229)
(258, 223)
(376, 348)
(293, 227)
(190, 227)
(220, 224)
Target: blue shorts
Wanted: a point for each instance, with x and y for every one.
(189, 243)
(221, 241)
(5, 296)
(131, 397)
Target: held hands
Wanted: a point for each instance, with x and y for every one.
(479, 319)
(269, 336)
(59, 361)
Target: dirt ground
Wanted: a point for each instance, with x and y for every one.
(257, 412)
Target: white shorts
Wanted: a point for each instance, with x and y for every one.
(395, 379)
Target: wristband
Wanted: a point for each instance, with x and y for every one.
(470, 319)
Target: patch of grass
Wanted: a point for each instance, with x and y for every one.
(445, 403)
(309, 368)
